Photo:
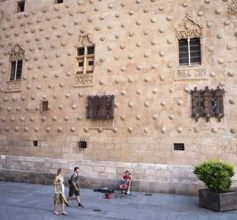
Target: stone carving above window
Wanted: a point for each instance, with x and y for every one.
(188, 29)
(83, 80)
(85, 40)
(232, 8)
(17, 53)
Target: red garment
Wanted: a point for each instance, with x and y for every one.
(126, 178)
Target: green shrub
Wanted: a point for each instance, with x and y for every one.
(215, 174)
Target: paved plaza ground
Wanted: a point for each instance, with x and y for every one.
(20, 201)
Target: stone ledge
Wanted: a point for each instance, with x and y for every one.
(92, 182)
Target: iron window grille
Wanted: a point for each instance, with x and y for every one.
(44, 106)
(82, 144)
(179, 146)
(100, 107)
(35, 143)
(207, 103)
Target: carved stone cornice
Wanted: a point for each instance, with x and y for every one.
(188, 29)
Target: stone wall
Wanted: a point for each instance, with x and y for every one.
(147, 177)
(137, 61)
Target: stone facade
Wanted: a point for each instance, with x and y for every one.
(43, 111)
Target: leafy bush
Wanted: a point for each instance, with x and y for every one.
(215, 174)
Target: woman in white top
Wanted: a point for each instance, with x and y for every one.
(59, 196)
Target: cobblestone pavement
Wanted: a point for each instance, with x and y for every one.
(20, 201)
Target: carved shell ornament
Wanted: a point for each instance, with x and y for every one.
(188, 29)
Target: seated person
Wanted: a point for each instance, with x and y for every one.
(126, 182)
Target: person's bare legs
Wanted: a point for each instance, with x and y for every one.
(63, 205)
(55, 208)
(129, 186)
(79, 202)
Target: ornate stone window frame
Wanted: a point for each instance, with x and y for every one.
(232, 8)
(84, 61)
(189, 29)
(17, 54)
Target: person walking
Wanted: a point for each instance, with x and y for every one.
(74, 186)
(59, 196)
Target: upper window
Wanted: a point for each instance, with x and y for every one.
(58, 1)
(85, 55)
(16, 58)
(16, 69)
(20, 6)
(189, 51)
(85, 59)
(189, 34)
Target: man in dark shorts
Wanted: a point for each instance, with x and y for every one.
(74, 186)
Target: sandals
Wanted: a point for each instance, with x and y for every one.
(56, 213)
